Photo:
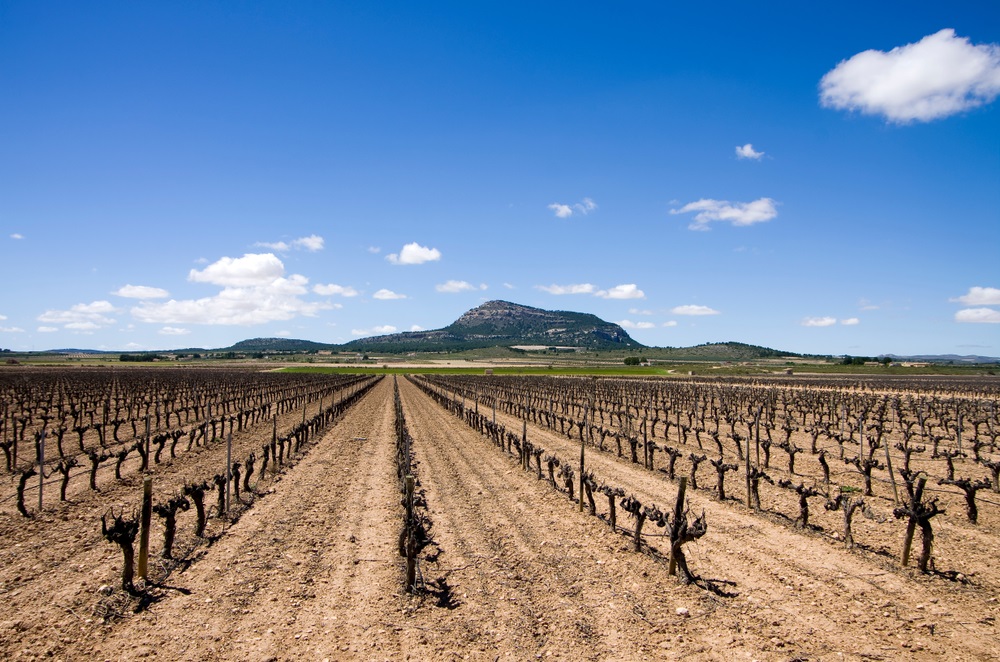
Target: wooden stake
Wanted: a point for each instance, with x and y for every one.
(892, 477)
(274, 444)
(229, 467)
(746, 468)
(146, 515)
(41, 469)
(411, 555)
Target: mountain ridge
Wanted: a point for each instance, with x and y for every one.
(499, 323)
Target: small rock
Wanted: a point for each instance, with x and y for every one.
(683, 611)
(105, 590)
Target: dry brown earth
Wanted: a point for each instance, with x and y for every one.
(312, 572)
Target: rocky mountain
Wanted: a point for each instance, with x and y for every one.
(502, 323)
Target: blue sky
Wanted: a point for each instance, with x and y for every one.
(814, 178)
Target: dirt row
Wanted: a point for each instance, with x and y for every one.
(805, 594)
(515, 572)
(55, 563)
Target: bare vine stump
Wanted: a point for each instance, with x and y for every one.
(249, 472)
(969, 488)
(64, 467)
(22, 482)
(122, 532)
(847, 504)
(197, 493)
(168, 512)
(919, 513)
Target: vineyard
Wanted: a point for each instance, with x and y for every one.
(292, 516)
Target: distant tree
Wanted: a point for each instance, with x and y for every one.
(633, 360)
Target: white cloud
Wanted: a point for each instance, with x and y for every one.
(17, 235)
(416, 327)
(374, 249)
(637, 311)
(173, 331)
(748, 152)
(283, 334)
(387, 295)
(334, 290)
(255, 291)
(978, 316)
(865, 304)
(141, 292)
(940, 75)
(509, 286)
(84, 327)
(738, 213)
(414, 253)
(819, 321)
(561, 211)
(279, 246)
(82, 316)
(629, 324)
(455, 286)
(980, 296)
(2, 317)
(312, 243)
(47, 329)
(11, 329)
(375, 331)
(850, 321)
(692, 309)
(582, 288)
(629, 291)
(253, 269)
(670, 323)
(584, 207)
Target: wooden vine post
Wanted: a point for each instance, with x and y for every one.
(144, 521)
(746, 467)
(411, 547)
(41, 469)
(678, 511)
(582, 458)
(274, 444)
(229, 467)
(892, 476)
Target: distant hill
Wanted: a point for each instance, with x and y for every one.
(721, 351)
(945, 358)
(505, 324)
(278, 345)
(510, 325)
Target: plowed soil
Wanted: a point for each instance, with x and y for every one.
(312, 572)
